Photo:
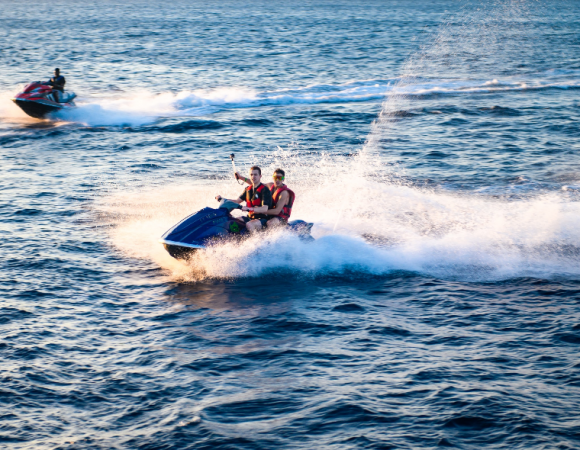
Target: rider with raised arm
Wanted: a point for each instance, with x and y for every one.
(282, 199)
(258, 200)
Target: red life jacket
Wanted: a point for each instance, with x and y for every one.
(276, 193)
(256, 201)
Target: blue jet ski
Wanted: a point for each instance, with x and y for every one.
(201, 229)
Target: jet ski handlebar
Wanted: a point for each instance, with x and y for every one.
(229, 205)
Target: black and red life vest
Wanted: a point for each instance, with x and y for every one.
(276, 193)
(257, 200)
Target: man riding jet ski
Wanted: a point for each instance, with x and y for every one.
(282, 199)
(209, 225)
(39, 99)
(57, 82)
(258, 200)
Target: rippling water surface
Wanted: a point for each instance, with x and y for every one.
(435, 146)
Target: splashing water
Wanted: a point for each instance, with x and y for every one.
(367, 217)
(486, 38)
(143, 108)
(9, 111)
(395, 227)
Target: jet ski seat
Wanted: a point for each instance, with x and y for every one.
(67, 97)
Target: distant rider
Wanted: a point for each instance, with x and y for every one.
(57, 82)
(258, 200)
(282, 199)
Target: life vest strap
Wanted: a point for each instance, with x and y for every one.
(253, 202)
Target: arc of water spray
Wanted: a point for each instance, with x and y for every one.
(462, 42)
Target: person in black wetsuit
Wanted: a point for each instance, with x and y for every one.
(57, 82)
(258, 200)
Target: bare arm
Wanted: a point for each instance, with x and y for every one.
(244, 179)
(248, 181)
(261, 209)
(281, 203)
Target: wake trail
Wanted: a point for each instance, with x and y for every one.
(143, 107)
(451, 235)
(381, 223)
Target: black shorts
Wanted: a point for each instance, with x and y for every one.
(262, 221)
(283, 222)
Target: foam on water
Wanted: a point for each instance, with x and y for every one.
(143, 107)
(9, 112)
(376, 224)
(367, 218)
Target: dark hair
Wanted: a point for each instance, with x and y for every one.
(256, 168)
(57, 70)
(281, 172)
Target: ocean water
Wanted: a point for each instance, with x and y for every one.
(435, 146)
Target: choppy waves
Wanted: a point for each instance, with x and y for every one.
(438, 305)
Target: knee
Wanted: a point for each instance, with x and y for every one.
(273, 222)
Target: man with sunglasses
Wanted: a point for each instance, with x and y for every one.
(258, 200)
(282, 199)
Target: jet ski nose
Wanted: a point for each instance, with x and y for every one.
(37, 100)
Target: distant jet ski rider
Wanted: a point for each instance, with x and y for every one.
(258, 200)
(282, 199)
(57, 82)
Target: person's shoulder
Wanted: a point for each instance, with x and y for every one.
(284, 194)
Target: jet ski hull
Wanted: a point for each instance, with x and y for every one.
(38, 101)
(179, 250)
(209, 226)
(39, 109)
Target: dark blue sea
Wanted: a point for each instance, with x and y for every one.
(435, 146)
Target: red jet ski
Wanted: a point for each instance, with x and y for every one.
(38, 100)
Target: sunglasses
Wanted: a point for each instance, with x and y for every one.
(278, 177)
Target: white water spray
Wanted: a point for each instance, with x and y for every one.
(384, 222)
(444, 235)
